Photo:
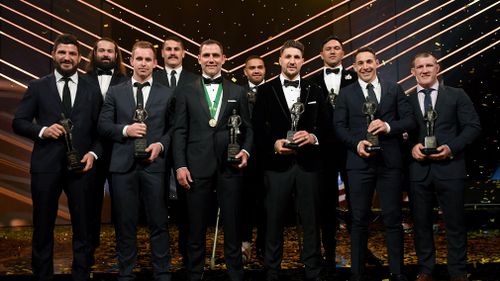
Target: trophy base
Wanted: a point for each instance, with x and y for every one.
(74, 164)
(233, 150)
(291, 145)
(429, 150)
(141, 155)
(373, 148)
(140, 147)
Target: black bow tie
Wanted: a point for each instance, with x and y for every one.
(332, 70)
(294, 83)
(104, 72)
(208, 81)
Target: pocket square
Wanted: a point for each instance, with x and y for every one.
(231, 100)
(312, 102)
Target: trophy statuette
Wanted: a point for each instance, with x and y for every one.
(233, 147)
(72, 156)
(296, 111)
(140, 144)
(430, 143)
(369, 109)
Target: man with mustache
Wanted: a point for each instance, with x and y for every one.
(172, 76)
(105, 69)
(379, 170)
(38, 117)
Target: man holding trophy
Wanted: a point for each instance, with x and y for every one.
(289, 118)
(59, 113)
(137, 118)
(446, 124)
(370, 118)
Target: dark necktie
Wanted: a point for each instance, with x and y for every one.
(427, 98)
(294, 83)
(66, 97)
(139, 95)
(332, 70)
(104, 72)
(173, 80)
(217, 80)
(371, 94)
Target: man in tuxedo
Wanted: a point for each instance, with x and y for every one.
(332, 78)
(441, 173)
(136, 177)
(200, 144)
(380, 170)
(290, 171)
(48, 100)
(253, 191)
(174, 75)
(105, 69)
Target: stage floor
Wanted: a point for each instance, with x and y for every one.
(15, 254)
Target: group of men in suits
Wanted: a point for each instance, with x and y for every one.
(297, 134)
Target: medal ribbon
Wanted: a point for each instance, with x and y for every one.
(212, 106)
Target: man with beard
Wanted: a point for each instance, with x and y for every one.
(253, 190)
(48, 100)
(379, 108)
(138, 173)
(291, 171)
(105, 69)
(172, 76)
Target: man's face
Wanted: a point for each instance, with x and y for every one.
(255, 71)
(332, 53)
(211, 59)
(172, 53)
(425, 71)
(143, 61)
(105, 55)
(66, 58)
(366, 66)
(291, 61)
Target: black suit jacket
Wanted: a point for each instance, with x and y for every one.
(186, 77)
(272, 119)
(196, 145)
(118, 111)
(41, 106)
(457, 125)
(351, 126)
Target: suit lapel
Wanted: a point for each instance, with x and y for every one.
(280, 98)
(383, 95)
(54, 93)
(80, 95)
(224, 99)
(202, 99)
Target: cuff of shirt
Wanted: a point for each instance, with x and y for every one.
(248, 154)
(124, 131)
(93, 154)
(388, 127)
(316, 142)
(40, 135)
(162, 147)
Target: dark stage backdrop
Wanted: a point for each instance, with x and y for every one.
(464, 33)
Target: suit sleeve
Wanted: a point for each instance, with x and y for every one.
(245, 122)
(97, 101)
(405, 120)
(468, 122)
(180, 129)
(107, 126)
(341, 126)
(264, 141)
(23, 124)
(166, 139)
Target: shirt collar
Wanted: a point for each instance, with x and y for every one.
(283, 77)
(338, 66)
(363, 84)
(206, 76)
(177, 69)
(150, 80)
(435, 86)
(252, 85)
(73, 77)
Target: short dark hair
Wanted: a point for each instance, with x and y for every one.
(292, 44)
(252, 57)
(363, 50)
(144, 45)
(330, 38)
(425, 54)
(212, 42)
(173, 38)
(66, 38)
(119, 67)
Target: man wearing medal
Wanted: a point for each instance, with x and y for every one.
(200, 141)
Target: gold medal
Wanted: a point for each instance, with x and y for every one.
(212, 123)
